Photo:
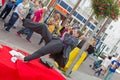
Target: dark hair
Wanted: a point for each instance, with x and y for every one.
(110, 57)
(42, 5)
(80, 33)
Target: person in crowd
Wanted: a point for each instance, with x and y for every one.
(67, 28)
(52, 24)
(115, 64)
(34, 6)
(18, 2)
(38, 15)
(91, 48)
(54, 46)
(20, 11)
(83, 40)
(104, 65)
(8, 7)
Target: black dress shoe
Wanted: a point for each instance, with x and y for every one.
(47, 64)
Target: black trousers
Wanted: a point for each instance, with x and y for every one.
(39, 28)
(11, 21)
(53, 47)
(5, 12)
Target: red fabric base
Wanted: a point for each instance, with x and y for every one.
(32, 70)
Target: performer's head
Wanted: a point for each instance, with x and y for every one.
(76, 33)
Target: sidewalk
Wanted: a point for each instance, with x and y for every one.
(77, 75)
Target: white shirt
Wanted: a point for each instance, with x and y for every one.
(22, 8)
(106, 63)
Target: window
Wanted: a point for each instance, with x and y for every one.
(79, 17)
(110, 27)
(107, 49)
(64, 5)
(104, 37)
(84, 20)
(75, 13)
(69, 9)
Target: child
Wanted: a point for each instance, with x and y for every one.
(7, 9)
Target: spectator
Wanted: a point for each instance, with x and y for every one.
(8, 7)
(104, 66)
(113, 66)
(20, 11)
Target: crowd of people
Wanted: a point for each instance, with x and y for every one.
(58, 42)
(108, 67)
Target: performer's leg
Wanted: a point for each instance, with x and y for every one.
(53, 47)
(40, 28)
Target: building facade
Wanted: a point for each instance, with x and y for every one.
(80, 16)
(111, 39)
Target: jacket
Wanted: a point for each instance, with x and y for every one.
(69, 44)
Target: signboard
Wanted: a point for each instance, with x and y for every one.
(62, 10)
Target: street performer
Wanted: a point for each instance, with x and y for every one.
(59, 48)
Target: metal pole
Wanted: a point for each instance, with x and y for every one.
(83, 48)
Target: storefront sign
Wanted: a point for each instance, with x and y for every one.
(62, 10)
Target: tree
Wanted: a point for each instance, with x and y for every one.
(106, 9)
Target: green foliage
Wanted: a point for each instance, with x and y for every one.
(106, 8)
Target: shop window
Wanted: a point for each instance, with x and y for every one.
(69, 9)
(79, 17)
(84, 20)
(64, 5)
(92, 27)
(75, 13)
(89, 24)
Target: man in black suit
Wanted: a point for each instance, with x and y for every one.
(59, 48)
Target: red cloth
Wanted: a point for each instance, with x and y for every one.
(32, 70)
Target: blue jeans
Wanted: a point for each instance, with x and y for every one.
(108, 76)
(26, 30)
(11, 22)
